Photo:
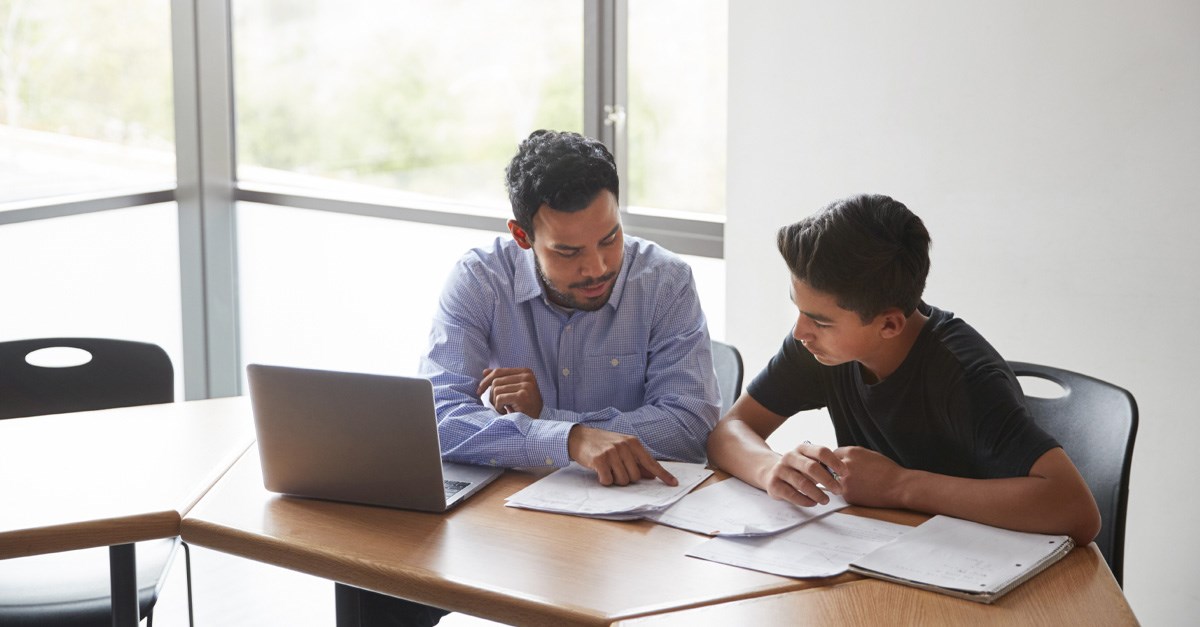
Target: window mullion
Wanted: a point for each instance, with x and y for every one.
(205, 173)
(604, 76)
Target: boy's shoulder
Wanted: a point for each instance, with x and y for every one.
(951, 348)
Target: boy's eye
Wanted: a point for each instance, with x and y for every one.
(567, 254)
(822, 325)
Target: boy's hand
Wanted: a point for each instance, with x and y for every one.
(795, 476)
(876, 478)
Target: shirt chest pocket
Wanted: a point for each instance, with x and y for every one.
(612, 380)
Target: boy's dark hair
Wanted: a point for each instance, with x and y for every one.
(561, 169)
(868, 251)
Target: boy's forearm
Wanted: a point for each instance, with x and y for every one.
(735, 448)
(1035, 504)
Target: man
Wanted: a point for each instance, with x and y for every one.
(569, 341)
(928, 416)
(566, 341)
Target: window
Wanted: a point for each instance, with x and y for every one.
(677, 101)
(105, 274)
(342, 292)
(84, 107)
(429, 98)
(421, 104)
(246, 132)
(85, 116)
(357, 293)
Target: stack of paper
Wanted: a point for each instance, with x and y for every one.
(575, 490)
(735, 508)
(965, 559)
(820, 548)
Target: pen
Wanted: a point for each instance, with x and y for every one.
(836, 477)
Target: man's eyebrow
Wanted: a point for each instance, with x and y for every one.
(612, 232)
(569, 248)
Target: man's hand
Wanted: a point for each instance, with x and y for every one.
(513, 390)
(795, 476)
(876, 477)
(616, 457)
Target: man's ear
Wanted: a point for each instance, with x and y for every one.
(893, 321)
(519, 235)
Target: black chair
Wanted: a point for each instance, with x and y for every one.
(73, 588)
(727, 361)
(1096, 423)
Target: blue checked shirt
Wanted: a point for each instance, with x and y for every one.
(640, 365)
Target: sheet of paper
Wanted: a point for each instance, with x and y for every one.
(821, 548)
(964, 555)
(735, 508)
(575, 490)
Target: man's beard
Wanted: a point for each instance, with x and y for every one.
(565, 299)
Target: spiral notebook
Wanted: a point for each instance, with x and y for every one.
(964, 559)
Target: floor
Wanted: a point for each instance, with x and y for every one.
(233, 592)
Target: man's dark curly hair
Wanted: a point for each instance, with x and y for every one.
(868, 251)
(561, 169)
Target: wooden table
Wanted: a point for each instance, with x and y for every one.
(1079, 590)
(534, 568)
(485, 559)
(112, 478)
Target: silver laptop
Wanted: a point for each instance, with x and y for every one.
(359, 438)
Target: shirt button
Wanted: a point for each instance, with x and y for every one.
(615, 361)
(549, 462)
(493, 462)
(566, 372)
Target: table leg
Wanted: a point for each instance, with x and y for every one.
(347, 600)
(363, 608)
(122, 565)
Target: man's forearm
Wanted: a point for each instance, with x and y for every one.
(514, 440)
(673, 433)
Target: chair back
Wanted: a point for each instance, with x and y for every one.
(727, 361)
(73, 588)
(120, 373)
(1096, 423)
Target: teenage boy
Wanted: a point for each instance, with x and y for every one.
(928, 416)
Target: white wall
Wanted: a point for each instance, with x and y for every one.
(1053, 150)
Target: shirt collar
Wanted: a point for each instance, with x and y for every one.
(527, 286)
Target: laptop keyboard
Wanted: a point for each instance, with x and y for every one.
(453, 487)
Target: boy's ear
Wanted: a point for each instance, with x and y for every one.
(893, 322)
(519, 235)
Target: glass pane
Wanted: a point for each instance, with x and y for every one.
(341, 292)
(85, 106)
(108, 274)
(710, 284)
(677, 102)
(347, 292)
(426, 97)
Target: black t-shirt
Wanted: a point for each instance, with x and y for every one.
(953, 407)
